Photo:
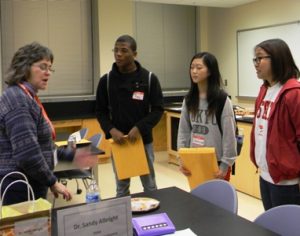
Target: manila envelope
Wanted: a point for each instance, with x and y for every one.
(130, 159)
(201, 162)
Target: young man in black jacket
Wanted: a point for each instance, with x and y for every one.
(129, 101)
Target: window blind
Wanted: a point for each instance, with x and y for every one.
(166, 38)
(65, 26)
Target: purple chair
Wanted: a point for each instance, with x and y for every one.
(283, 220)
(218, 192)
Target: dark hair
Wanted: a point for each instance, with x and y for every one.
(282, 62)
(128, 39)
(19, 69)
(214, 85)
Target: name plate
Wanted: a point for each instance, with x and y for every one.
(109, 217)
(32, 227)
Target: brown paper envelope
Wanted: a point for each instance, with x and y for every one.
(201, 162)
(130, 159)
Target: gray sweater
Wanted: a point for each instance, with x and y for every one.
(203, 130)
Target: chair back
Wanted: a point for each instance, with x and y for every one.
(83, 132)
(218, 192)
(96, 139)
(283, 220)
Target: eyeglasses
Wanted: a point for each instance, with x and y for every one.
(121, 50)
(257, 60)
(44, 67)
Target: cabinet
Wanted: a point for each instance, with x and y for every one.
(159, 135)
(246, 178)
(172, 130)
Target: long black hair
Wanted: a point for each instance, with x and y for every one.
(214, 85)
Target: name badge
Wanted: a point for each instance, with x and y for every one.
(198, 140)
(137, 95)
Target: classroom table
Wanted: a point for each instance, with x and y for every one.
(202, 217)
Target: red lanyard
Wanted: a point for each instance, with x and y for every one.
(42, 108)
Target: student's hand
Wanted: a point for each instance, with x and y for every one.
(134, 134)
(220, 174)
(184, 170)
(59, 188)
(117, 136)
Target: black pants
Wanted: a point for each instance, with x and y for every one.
(275, 195)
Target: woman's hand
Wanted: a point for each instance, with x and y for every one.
(59, 188)
(184, 171)
(83, 158)
(220, 174)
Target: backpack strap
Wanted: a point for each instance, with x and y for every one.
(219, 110)
(149, 82)
(149, 88)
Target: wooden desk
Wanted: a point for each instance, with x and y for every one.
(202, 217)
(172, 129)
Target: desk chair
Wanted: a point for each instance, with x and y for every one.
(83, 132)
(218, 192)
(80, 134)
(84, 175)
(283, 220)
(64, 175)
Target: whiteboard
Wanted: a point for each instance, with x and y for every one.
(248, 83)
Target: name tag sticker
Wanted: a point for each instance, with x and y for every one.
(198, 140)
(137, 95)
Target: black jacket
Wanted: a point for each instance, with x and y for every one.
(129, 103)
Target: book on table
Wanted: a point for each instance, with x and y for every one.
(129, 158)
(201, 162)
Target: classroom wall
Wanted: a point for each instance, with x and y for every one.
(116, 17)
(220, 25)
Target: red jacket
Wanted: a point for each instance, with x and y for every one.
(283, 138)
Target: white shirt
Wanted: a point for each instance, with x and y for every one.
(261, 131)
